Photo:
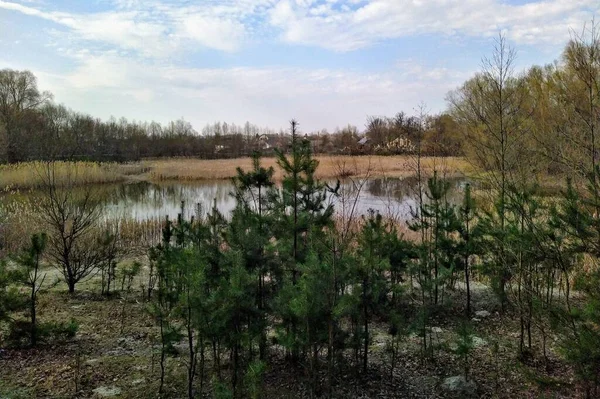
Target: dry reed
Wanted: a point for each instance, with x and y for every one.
(188, 169)
(29, 175)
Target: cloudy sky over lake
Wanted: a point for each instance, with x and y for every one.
(325, 62)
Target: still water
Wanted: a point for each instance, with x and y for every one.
(142, 200)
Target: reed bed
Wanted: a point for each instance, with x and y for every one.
(17, 224)
(190, 169)
(136, 235)
(31, 175)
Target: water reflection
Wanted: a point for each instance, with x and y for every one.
(143, 200)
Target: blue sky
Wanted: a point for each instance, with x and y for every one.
(326, 63)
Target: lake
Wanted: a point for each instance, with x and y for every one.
(142, 204)
(142, 200)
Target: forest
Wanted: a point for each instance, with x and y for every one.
(33, 127)
(296, 295)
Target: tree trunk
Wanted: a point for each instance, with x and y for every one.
(33, 319)
(366, 327)
(71, 284)
(467, 283)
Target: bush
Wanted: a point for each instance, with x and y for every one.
(20, 332)
(59, 331)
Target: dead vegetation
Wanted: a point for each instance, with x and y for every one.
(329, 167)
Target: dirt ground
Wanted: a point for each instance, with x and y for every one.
(114, 353)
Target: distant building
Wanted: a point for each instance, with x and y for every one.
(263, 142)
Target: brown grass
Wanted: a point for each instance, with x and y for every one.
(30, 175)
(27, 175)
(329, 167)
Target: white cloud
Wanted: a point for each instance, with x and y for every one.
(346, 29)
(124, 61)
(412, 69)
(105, 85)
(219, 34)
(150, 28)
(160, 27)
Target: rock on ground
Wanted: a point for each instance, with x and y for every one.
(106, 392)
(478, 342)
(482, 314)
(459, 387)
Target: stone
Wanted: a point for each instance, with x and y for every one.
(436, 330)
(107, 392)
(459, 386)
(138, 381)
(482, 314)
(478, 342)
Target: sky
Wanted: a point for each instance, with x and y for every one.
(326, 63)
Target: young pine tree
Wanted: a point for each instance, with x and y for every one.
(300, 212)
(372, 265)
(11, 300)
(249, 232)
(468, 241)
(576, 217)
(438, 252)
(31, 276)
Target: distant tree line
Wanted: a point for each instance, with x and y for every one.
(33, 127)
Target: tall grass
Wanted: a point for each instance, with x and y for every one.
(189, 169)
(18, 222)
(16, 225)
(133, 234)
(29, 175)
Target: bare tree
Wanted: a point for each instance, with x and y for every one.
(579, 93)
(18, 95)
(70, 218)
(492, 109)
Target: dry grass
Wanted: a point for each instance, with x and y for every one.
(16, 225)
(329, 167)
(29, 175)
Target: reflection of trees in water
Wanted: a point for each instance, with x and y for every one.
(135, 192)
(391, 188)
(143, 200)
(399, 189)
